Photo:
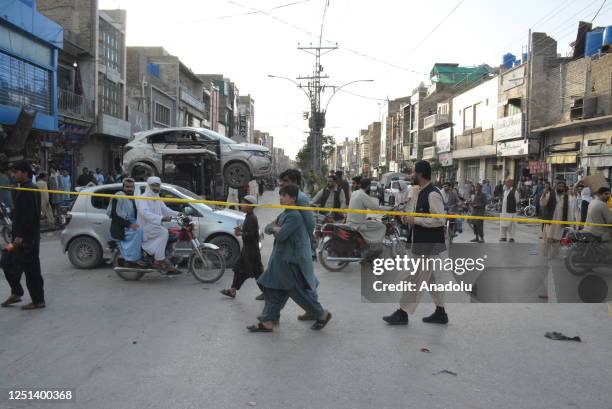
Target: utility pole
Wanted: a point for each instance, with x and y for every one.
(316, 121)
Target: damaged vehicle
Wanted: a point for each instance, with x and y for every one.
(239, 162)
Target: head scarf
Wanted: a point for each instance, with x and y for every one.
(153, 180)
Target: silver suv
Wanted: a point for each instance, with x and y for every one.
(87, 233)
(240, 162)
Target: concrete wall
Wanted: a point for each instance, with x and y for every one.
(485, 94)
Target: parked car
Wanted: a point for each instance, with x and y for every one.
(240, 162)
(392, 192)
(85, 238)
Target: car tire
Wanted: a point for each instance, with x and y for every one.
(229, 248)
(237, 175)
(85, 253)
(143, 170)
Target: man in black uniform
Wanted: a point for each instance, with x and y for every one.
(427, 240)
(26, 242)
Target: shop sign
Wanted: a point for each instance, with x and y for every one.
(510, 127)
(537, 167)
(443, 140)
(513, 148)
(445, 159)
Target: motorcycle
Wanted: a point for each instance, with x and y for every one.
(526, 207)
(6, 223)
(494, 205)
(203, 260)
(61, 214)
(342, 244)
(584, 251)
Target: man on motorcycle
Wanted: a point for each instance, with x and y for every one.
(124, 229)
(372, 231)
(151, 214)
(331, 197)
(451, 206)
(599, 213)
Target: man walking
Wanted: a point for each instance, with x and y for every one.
(46, 211)
(554, 206)
(26, 242)
(290, 270)
(510, 202)
(343, 185)
(427, 241)
(84, 178)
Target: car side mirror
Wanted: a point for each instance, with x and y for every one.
(189, 211)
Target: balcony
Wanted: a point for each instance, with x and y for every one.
(75, 106)
(188, 98)
(435, 120)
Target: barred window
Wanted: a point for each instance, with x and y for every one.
(110, 46)
(24, 84)
(162, 114)
(110, 97)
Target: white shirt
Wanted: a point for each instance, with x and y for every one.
(586, 194)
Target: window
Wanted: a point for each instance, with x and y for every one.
(478, 115)
(162, 114)
(111, 96)
(110, 46)
(103, 202)
(513, 107)
(24, 84)
(468, 118)
(472, 170)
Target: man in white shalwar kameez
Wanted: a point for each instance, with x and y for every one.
(151, 215)
(509, 208)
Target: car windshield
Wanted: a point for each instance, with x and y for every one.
(224, 140)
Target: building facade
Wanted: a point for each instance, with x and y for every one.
(30, 44)
(246, 118)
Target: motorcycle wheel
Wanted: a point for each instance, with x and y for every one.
(530, 211)
(126, 275)
(330, 265)
(208, 270)
(6, 234)
(571, 263)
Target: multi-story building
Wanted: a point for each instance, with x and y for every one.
(363, 158)
(474, 113)
(163, 91)
(98, 53)
(374, 134)
(390, 129)
(227, 121)
(576, 131)
(246, 118)
(29, 47)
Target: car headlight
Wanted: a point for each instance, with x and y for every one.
(262, 154)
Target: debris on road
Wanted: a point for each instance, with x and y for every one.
(425, 350)
(252, 403)
(558, 336)
(446, 371)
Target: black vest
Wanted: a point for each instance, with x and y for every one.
(511, 202)
(323, 201)
(427, 240)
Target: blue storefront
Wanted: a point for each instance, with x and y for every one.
(29, 48)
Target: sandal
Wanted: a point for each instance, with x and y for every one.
(32, 306)
(13, 299)
(320, 324)
(228, 293)
(259, 327)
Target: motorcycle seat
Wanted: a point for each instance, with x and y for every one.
(587, 237)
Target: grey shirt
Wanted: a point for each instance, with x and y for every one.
(600, 214)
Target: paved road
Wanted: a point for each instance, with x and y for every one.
(175, 343)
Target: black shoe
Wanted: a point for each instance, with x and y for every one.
(260, 297)
(399, 317)
(474, 240)
(511, 240)
(438, 317)
(502, 239)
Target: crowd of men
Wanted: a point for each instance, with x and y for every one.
(138, 225)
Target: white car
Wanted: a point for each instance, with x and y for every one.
(393, 191)
(240, 162)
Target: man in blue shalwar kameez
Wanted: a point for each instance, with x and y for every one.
(290, 268)
(124, 229)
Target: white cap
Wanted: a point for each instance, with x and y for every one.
(250, 199)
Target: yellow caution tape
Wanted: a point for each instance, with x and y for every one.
(316, 209)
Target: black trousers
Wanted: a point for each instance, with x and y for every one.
(479, 228)
(584, 207)
(241, 277)
(27, 263)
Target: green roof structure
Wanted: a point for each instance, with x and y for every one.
(446, 73)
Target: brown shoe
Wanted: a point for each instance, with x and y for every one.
(13, 299)
(32, 306)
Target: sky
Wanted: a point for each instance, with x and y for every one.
(392, 42)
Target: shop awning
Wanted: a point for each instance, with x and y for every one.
(561, 159)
